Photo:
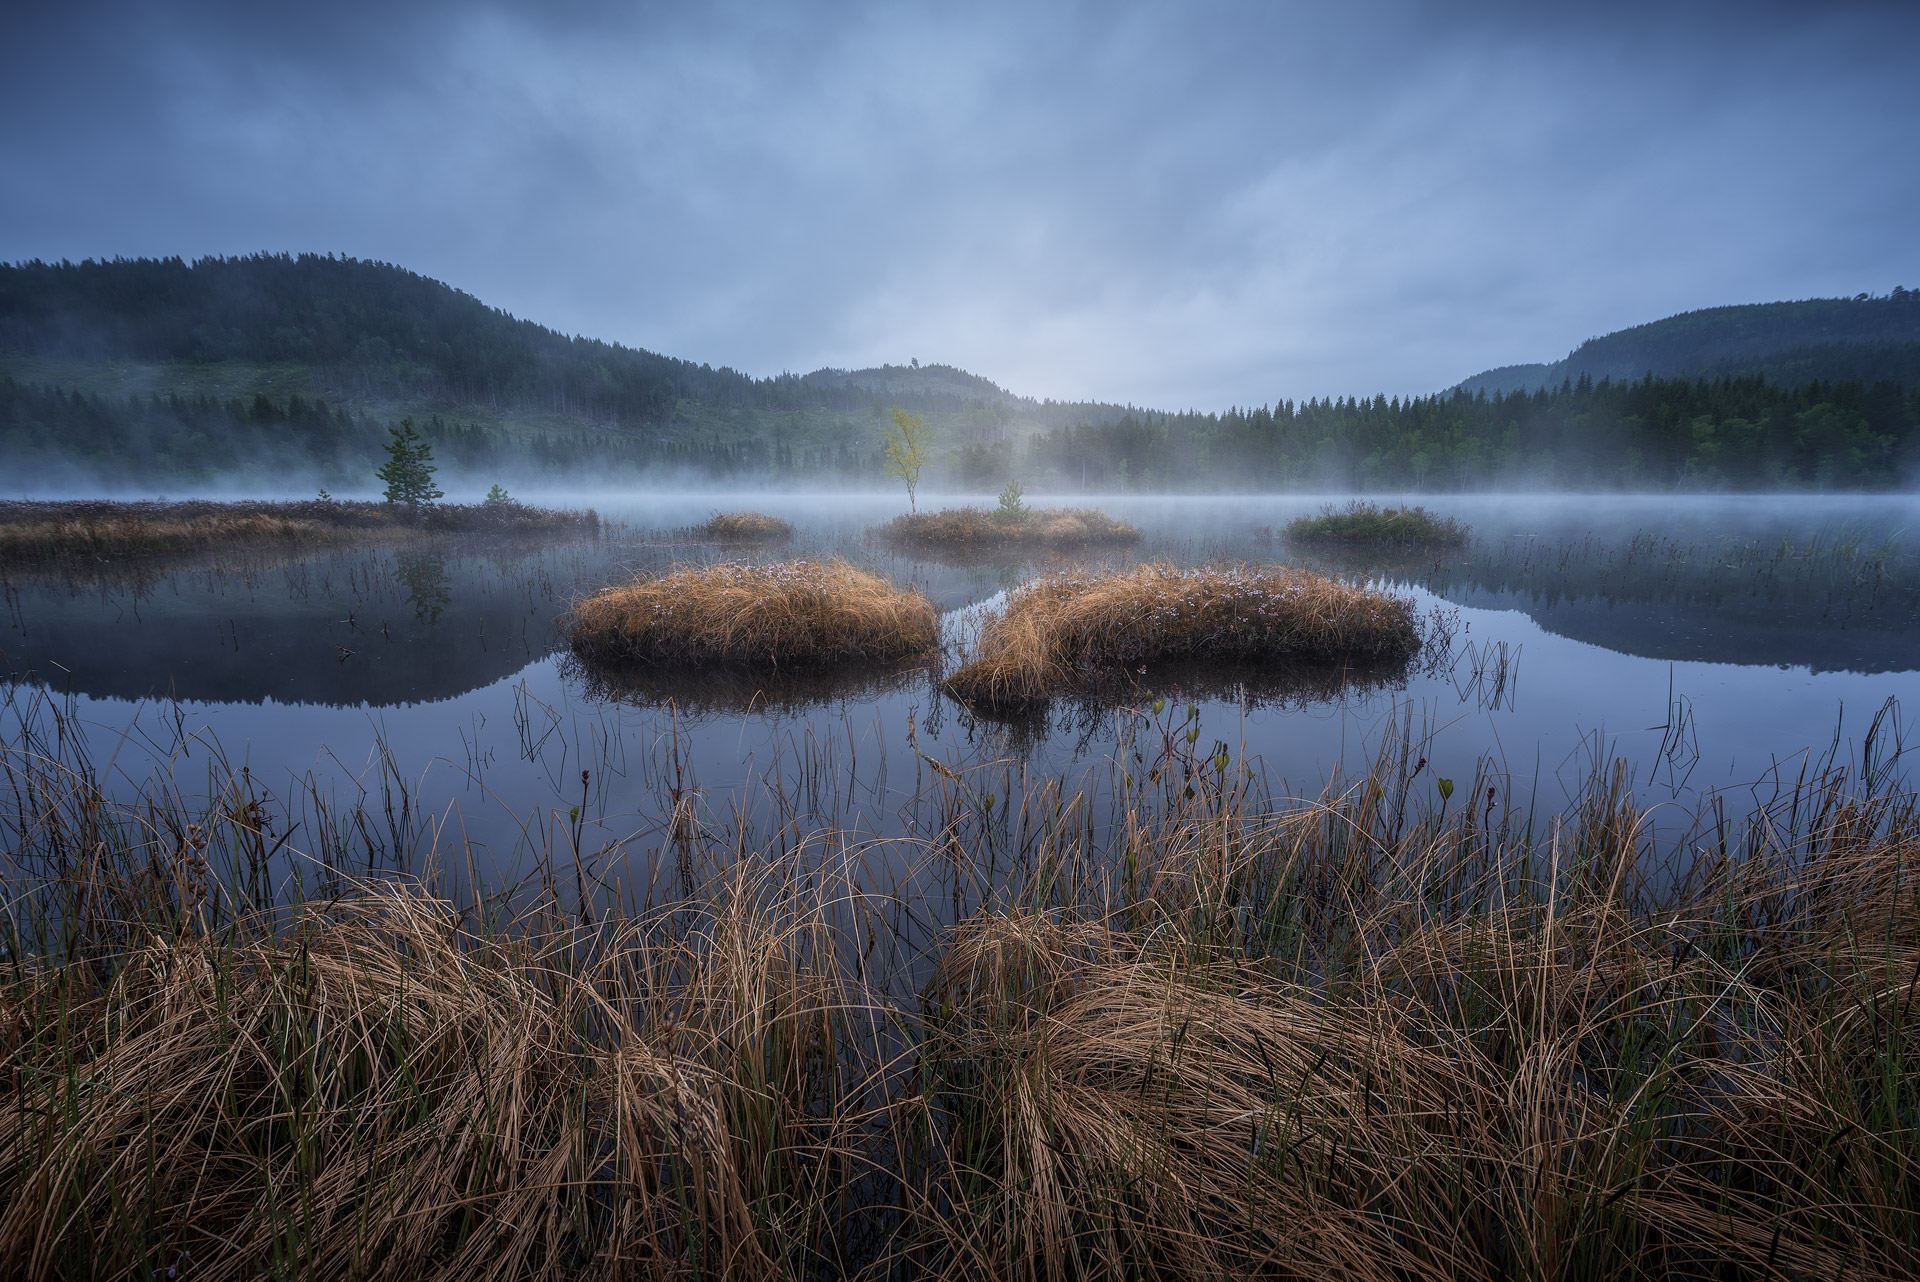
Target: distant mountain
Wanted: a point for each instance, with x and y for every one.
(1829, 339)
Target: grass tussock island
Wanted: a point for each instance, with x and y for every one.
(55, 531)
(1362, 524)
(962, 529)
(744, 527)
(1068, 628)
(783, 614)
(1214, 1036)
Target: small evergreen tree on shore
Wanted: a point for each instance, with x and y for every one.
(1012, 509)
(409, 468)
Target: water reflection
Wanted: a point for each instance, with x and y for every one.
(723, 691)
(378, 627)
(429, 588)
(1095, 709)
(1822, 602)
(1823, 586)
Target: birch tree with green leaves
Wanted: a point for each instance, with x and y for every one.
(909, 442)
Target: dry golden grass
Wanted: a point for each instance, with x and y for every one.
(1068, 627)
(117, 536)
(376, 1091)
(745, 527)
(976, 529)
(1329, 1042)
(1523, 1094)
(784, 614)
(55, 531)
(1228, 1038)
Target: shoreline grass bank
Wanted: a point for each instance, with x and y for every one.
(783, 614)
(1066, 629)
(1364, 1034)
(50, 532)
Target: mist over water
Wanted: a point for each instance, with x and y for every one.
(1716, 643)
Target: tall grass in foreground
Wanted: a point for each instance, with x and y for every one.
(1068, 628)
(789, 613)
(1362, 1035)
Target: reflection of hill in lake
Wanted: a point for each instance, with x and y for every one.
(1685, 630)
(1830, 605)
(378, 627)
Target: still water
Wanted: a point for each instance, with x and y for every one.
(1716, 644)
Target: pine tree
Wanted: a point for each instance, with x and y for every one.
(409, 468)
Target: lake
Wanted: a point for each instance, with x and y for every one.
(1718, 645)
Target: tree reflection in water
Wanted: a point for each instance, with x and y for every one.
(429, 587)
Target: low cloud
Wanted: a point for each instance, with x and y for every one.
(1173, 205)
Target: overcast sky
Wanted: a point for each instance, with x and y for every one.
(1178, 205)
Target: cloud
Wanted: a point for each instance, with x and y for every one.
(1175, 205)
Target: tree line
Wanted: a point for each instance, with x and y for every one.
(1650, 433)
(1729, 433)
(378, 339)
(49, 433)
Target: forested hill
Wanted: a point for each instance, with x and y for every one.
(273, 373)
(1871, 339)
(374, 330)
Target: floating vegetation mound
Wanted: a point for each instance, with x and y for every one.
(1370, 525)
(1066, 629)
(744, 527)
(789, 613)
(32, 531)
(976, 529)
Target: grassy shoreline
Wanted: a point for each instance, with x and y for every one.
(50, 532)
(1367, 1034)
